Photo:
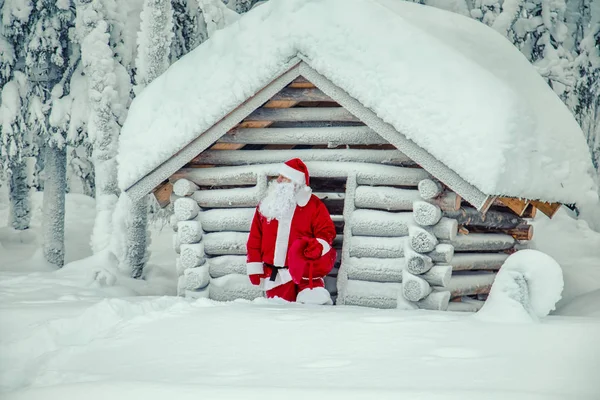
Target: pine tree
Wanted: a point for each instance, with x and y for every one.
(216, 15)
(16, 142)
(189, 28)
(99, 65)
(47, 61)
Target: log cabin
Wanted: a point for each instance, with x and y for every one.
(431, 175)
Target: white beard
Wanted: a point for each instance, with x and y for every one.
(280, 201)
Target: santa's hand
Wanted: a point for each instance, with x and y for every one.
(313, 249)
(255, 279)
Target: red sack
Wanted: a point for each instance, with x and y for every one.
(305, 260)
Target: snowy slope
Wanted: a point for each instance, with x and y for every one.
(454, 86)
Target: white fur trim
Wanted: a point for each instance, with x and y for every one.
(255, 268)
(326, 246)
(292, 174)
(303, 196)
(318, 295)
(283, 276)
(282, 239)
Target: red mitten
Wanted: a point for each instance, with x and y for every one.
(255, 279)
(313, 249)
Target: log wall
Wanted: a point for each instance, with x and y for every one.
(404, 240)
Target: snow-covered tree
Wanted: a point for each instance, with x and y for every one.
(189, 28)
(106, 108)
(14, 101)
(216, 15)
(48, 67)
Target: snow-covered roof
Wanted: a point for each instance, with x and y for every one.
(455, 87)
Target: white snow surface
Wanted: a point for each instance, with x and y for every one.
(522, 141)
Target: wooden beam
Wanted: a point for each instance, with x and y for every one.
(280, 104)
(244, 157)
(301, 83)
(302, 114)
(301, 94)
(518, 206)
(225, 146)
(327, 136)
(530, 211)
(547, 208)
(254, 124)
(163, 194)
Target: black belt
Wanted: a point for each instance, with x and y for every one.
(274, 270)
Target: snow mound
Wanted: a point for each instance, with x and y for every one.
(527, 287)
(587, 305)
(522, 142)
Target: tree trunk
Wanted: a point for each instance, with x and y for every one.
(137, 238)
(20, 215)
(54, 205)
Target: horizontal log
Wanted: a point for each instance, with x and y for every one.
(192, 255)
(301, 82)
(478, 261)
(469, 217)
(470, 305)
(229, 198)
(185, 209)
(518, 206)
(436, 300)
(374, 269)
(369, 294)
(471, 284)
(225, 243)
(371, 174)
(443, 253)
(246, 157)
(233, 287)
(445, 229)
(235, 219)
(521, 232)
(482, 242)
(439, 275)
(331, 136)
(430, 189)
(301, 94)
(380, 223)
(189, 232)
(302, 114)
(447, 201)
(376, 247)
(394, 199)
(183, 187)
(226, 265)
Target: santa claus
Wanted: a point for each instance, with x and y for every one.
(289, 247)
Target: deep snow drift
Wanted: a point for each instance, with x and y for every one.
(84, 331)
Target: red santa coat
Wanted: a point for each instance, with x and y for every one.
(269, 241)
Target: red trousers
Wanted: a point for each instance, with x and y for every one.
(289, 291)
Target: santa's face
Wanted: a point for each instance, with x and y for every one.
(280, 200)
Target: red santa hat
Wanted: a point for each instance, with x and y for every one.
(296, 171)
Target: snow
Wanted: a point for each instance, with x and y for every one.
(426, 214)
(527, 288)
(87, 331)
(521, 142)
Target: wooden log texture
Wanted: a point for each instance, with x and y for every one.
(192, 255)
(331, 136)
(547, 208)
(426, 214)
(233, 287)
(417, 263)
(446, 229)
(301, 82)
(162, 193)
(375, 269)
(430, 189)
(371, 174)
(196, 278)
(229, 198)
(185, 209)
(436, 300)
(376, 247)
(438, 275)
(471, 284)
(302, 114)
(189, 232)
(518, 206)
(247, 157)
(478, 261)
(226, 265)
(225, 243)
(443, 253)
(447, 201)
(227, 219)
(183, 187)
(370, 294)
(482, 242)
(380, 223)
(301, 95)
(414, 288)
(470, 217)
(421, 240)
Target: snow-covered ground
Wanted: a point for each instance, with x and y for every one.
(87, 332)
